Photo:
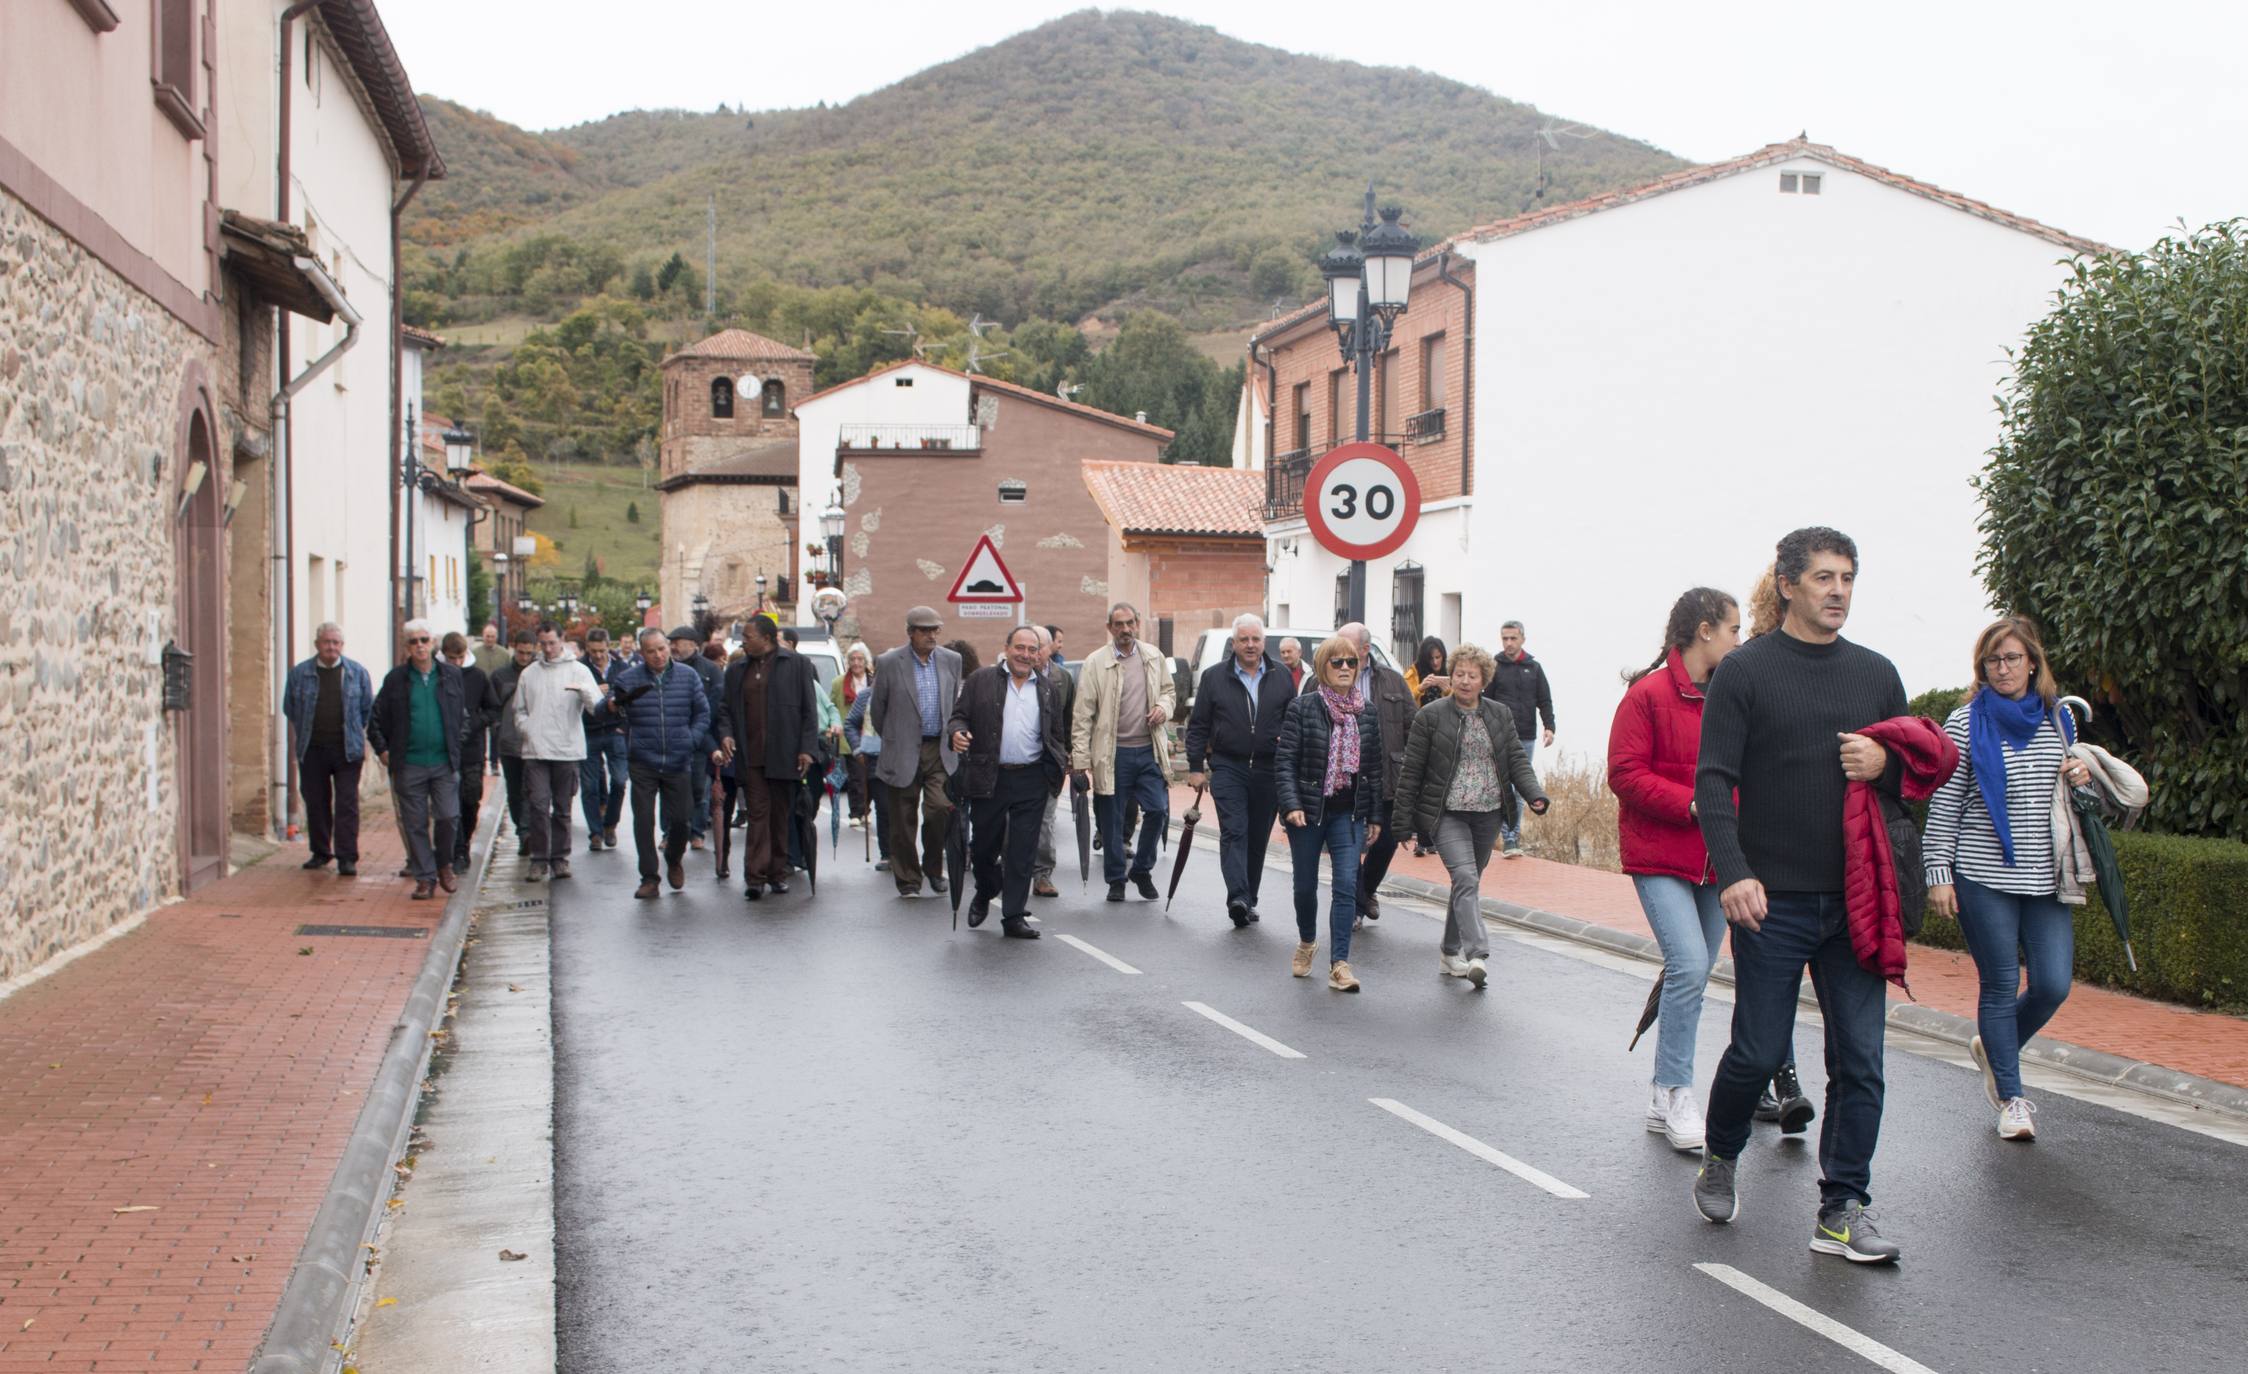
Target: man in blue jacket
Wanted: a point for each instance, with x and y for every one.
(327, 702)
(601, 776)
(667, 718)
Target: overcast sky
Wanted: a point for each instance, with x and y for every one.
(2107, 120)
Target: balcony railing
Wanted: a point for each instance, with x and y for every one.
(1426, 427)
(889, 438)
(1286, 473)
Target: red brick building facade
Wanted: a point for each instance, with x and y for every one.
(1185, 545)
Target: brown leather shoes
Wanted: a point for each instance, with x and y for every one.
(1042, 888)
(446, 880)
(424, 890)
(647, 890)
(677, 873)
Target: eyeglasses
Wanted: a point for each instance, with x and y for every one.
(417, 639)
(1342, 662)
(2006, 661)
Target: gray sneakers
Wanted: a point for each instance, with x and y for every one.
(1717, 1195)
(1847, 1230)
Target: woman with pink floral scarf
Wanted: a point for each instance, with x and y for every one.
(1329, 767)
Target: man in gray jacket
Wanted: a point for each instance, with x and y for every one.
(915, 685)
(552, 697)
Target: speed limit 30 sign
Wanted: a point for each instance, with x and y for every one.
(1361, 501)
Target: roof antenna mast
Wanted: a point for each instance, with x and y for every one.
(710, 262)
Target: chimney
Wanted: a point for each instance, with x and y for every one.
(1141, 417)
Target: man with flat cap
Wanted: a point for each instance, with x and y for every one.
(915, 686)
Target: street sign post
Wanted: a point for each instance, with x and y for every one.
(985, 590)
(1362, 501)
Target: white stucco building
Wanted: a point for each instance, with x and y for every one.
(1665, 380)
(437, 511)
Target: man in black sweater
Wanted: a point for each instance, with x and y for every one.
(1518, 682)
(1778, 727)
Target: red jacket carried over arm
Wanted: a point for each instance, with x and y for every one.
(1926, 758)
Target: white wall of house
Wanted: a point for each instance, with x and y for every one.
(341, 192)
(1665, 388)
(1250, 417)
(1302, 584)
(906, 396)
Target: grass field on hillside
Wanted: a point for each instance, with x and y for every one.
(600, 494)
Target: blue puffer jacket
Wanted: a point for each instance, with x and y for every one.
(666, 728)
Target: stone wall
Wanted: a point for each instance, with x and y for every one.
(730, 532)
(91, 373)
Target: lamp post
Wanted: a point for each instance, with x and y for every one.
(499, 591)
(701, 607)
(760, 594)
(1369, 275)
(831, 525)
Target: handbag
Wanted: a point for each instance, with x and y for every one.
(1912, 879)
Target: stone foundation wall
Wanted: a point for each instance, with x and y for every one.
(731, 532)
(90, 379)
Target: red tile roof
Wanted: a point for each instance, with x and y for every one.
(1764, 157)
(1182, 498)
(420, 336)
(742, 346)
(493, 486)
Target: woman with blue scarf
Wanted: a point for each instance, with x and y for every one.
(1990, 857)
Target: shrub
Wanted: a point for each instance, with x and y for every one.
(2189, 922)
(2116, 511)
(1936, 703)
(1579, 826)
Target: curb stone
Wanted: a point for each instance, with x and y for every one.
(323, 1288)
(2098, 1066)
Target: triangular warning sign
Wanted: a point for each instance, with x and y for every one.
(984, 577)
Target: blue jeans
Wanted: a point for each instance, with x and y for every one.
(1510, 830)
(1340, 834)
(1140, 780)
(2001, 927)
(1690, 926)
(1805, 928)
(1247, 798)
(601, 780)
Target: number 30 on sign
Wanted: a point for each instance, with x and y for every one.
(1361, 501)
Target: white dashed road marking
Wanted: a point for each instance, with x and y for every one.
(1253, 1036)
(1516, 1167)
(1856, 1342)
(1101, 954)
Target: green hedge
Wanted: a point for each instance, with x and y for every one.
(2189, 922)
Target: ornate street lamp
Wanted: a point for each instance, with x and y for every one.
(642, 602)
(701, 607)
(460, 452)
(831, 525)
(1369, 276)
(760, 593)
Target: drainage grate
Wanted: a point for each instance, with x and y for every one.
(378, 932)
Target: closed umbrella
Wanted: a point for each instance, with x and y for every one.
(1647, 1013)
(836, 782)
(803, 813)
(2101, 846)
(956, 854)
(1191, 819)
(721, 809)
(1080, 810)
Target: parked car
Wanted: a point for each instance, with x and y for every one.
(1214, 644)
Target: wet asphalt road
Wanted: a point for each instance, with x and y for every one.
(834, 1135)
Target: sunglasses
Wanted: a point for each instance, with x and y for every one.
(1342, 662)
(417, 639)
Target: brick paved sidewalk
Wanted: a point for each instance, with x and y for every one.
(173, 1107)
(2210, 1044)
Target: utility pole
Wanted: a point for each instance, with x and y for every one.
(710, 262)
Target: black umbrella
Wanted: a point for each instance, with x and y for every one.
(956, 851)
(722, 805)
(1187, 822)
(1080, 810)
(1647, 1013)
(804, 811)
(2101, 846)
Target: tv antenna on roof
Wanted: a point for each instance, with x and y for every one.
(977, 356)
(911, 332)
(1549, 138)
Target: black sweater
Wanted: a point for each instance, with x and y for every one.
(1774, 708)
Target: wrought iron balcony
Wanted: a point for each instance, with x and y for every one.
(1284, 484)
(1426, 427)
(897, 438)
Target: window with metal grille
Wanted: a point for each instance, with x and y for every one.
(1013, 493)
(1342, 607)
(1406, 599)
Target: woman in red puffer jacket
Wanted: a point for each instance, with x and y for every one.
(1653, 746)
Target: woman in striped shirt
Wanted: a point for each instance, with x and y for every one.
(1990, 857)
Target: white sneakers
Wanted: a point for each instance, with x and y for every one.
(1677, 1117)
(1453, 965)
(2014, 1120)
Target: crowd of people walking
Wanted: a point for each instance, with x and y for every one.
(1762, 786)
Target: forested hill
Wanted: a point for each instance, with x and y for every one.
(1097, 163)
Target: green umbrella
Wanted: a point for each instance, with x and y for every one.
(2101, 846)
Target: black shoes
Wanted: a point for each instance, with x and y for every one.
(1239, 911)
(777, 888)
(1767, 1106)
(1145, 882)
(1253, 917)
(978, 910)
(1016, 928)
(936, 882)
(316, 861)
(1116, 892)
(1371, 906)
(347, 869)
(1794, 1109)
(752, 892)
